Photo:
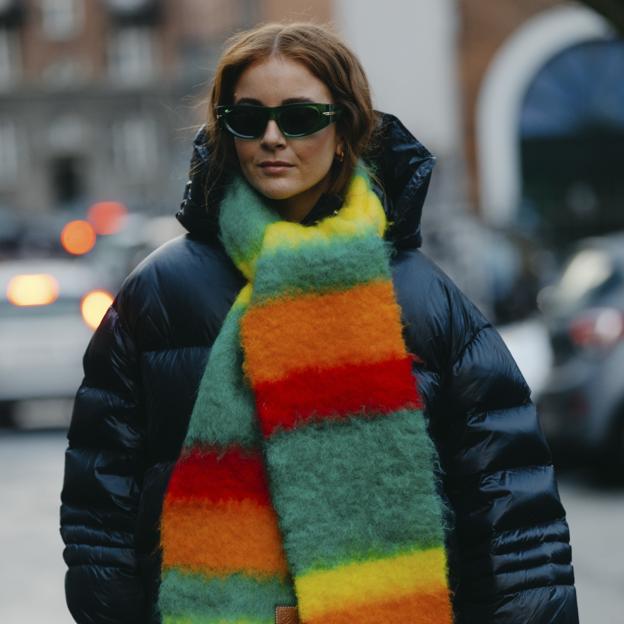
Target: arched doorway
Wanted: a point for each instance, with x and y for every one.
(571, 135)
(502, 95)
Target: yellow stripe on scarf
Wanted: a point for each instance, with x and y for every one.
(361, 210)
(365, 582)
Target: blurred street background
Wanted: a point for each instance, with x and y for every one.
(521, 102)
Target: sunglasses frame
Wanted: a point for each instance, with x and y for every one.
(328, 113)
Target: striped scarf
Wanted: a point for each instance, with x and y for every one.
(307, 475)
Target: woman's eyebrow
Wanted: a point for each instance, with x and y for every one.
(293, 100)
(296, 100)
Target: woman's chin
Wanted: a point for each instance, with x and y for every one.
(276, 192)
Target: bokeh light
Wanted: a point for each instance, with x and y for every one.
(107, 217)
(94, 306)
(78, 237)
(32, 290)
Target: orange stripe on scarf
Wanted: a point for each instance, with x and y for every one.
(223, 538)
(421, 608)
(322, 331)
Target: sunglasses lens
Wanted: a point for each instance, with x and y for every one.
(299, 121)
(247, 123)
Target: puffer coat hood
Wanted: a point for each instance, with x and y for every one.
(508, 540)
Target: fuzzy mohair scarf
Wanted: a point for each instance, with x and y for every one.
(307, 474)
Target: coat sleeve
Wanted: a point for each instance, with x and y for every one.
(513, 557)
(103, 468)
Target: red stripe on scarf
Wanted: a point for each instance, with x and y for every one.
(337, 392)
(200, 474)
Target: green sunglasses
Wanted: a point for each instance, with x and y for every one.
(249, 121)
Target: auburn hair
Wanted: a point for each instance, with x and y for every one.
(327, 57)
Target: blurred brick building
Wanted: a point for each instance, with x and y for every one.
(97, 97)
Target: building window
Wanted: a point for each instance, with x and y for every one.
(61, 19)
(8, 153)
(131, 7)
(67, 134)
(131, 55)
(127, 5)
(67, 180)
(65, 72)
(9, 57)
(135, 147)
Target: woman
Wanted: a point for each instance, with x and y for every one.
(290, 411)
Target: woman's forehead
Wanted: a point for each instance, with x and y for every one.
(278, 80)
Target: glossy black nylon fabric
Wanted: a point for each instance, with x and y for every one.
(510, 559)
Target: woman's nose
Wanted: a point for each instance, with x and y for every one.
(272, 134)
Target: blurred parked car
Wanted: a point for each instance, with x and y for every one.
(48, 311)
(582, 406)
(119, 253)
(529, 343)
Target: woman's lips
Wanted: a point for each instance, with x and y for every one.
(275, 167)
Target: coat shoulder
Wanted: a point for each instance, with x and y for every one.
(179, 294)
(439, 319)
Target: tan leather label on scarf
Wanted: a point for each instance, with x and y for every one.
(286, 615)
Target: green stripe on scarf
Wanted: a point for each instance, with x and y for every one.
(380, 503)
(219, 600)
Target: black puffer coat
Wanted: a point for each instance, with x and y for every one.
(509, 552)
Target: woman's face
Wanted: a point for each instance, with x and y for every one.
(307, 160)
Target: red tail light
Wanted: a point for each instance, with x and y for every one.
(600, 327)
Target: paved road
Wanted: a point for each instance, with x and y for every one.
(596, 519)
(31, 568)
